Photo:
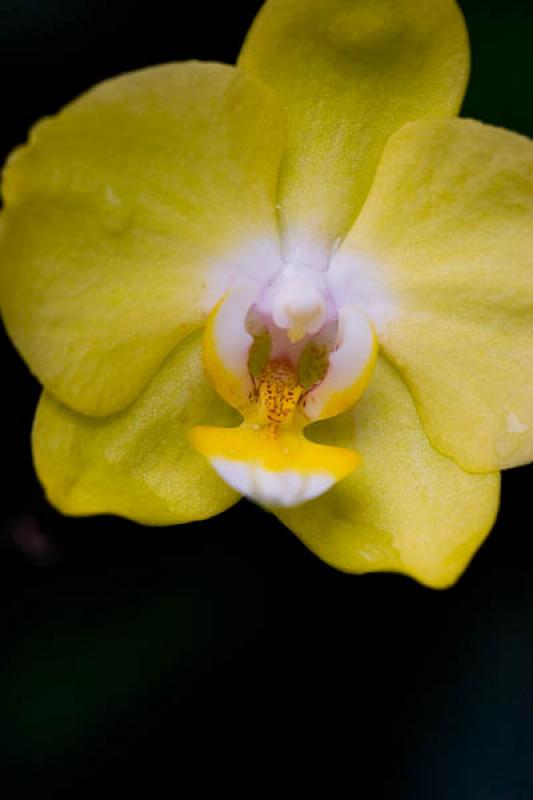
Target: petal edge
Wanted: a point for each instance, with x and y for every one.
(137, 463)
(406, 508)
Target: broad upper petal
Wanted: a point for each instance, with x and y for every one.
(137, 463)
(350, 73)
(448, 229)
(126, 216)
(406, 508)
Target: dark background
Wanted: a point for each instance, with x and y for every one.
(206, 650)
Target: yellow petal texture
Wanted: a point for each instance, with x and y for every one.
(125, 213)
(137, 463)
(350, 73)
(448, 227)
(406, 508)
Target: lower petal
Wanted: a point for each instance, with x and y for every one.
(138, 463)
(406, 508)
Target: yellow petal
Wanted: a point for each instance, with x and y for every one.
(126, 216)
(350, 73)
(137, 463)
(406, 508)
(448, 227)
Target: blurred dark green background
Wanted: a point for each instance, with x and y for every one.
(211, 649)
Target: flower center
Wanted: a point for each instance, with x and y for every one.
(284, 356)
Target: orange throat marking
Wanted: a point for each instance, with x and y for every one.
(278, 394)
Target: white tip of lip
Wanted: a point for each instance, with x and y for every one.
(284, 489)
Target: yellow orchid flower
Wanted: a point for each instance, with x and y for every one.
(198, 261)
